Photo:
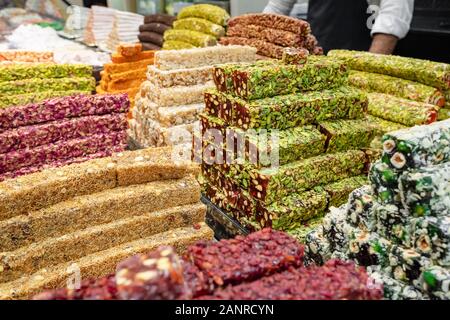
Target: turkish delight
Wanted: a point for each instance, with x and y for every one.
(55, 84)
(344, 135)
(150, 46)
(338, 192)
(195, 38)
(359, 208)
(156, 27)
(37, 135)
(209, 12)
(396, 290)
(384, 126)
(403, 111)
(151, 37)
(177, 45)
(317, 249)
(180, 77)
(300, 233)
(200, 25)
(433, 74)
(295, 56)
(275, 21)
(335, 229)
(369, 248)
(443, 114)
(269, 81)
(264, 48)
(388, 219)
(269, 185)
(374, 82)
(175, 96)
(435, 280)
(294, 110)
(113, 68)
(61, 108)
(129, 49)
(407, 264)
(143, 55)
(160, 18)
(7, 100)
(385, 181)
(44, 71)
(201, 57)
(175, 116)
(418, 146)
(26, 56)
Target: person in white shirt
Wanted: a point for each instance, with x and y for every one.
(374, 25)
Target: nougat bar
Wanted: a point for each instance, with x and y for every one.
(44, 71)
(179, 77)
(403, 111)
(96, 209)
(374, 82)
(418, 146)
(7, 100)
(179, 115)
(275, 21)
(175, 96)
(339, 192)
(54, 84)
(61, 150)
(296, 56)
(430, 73)
(345, 135)
(201, 57)
(36, 135)
(195, 38)
(275, 80)
(200, 25)
(270, 185)
(209, 12)
(264, 48)
(295, 110)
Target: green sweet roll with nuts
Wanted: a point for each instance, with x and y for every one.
(435, 281)
(426, 191)
(177, 45)
(407, 264)
(7, 100)
(384, 126)
(345, 135)
(274, 80)
(195, 38)
(295, 110)
(433, 74)
(384, 180)
(295, 56)
(300, 233)
(209, 12)
(407, 112)
(292, 211)
(43, 71)
(35, 85)
(374, 82)
(417, 147)
(200, 25)
(368, 248)
(269, 185)
(339, 192)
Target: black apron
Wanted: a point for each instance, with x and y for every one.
(340, 24)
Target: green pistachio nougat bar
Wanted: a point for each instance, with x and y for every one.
(271, 184)
(8, 100)
(43, 71)
(280, 79)
(339, 192)
(374, 82)
(35, 85)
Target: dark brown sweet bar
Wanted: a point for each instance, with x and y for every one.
(161, 18)
(151, 37)
(156, 27)
(150, 46)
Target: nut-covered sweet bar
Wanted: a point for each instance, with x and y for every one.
(7, 100)
(388, 219)
(54, 84)
(33, 136)
(402, 88)
(296, 56)
(418, 146)
(433, 74)
(195, 38)
(270, 185)
(201, 57)
(434, 280)
(61, 150)
(359, 208)
(369, 248)
(44, 71)
(61, 108)
(384, 126)
(407, 264)
(264, 48)
(275, 80)
(385, 181)
(344, 135)
(274, 21)
(339, 192)
(180, 77)
(200, 25)
(294, 110)
(317, 249)
(300, 233)
(175, 116)
(177, 45)
(407, 112)
(395, 289)
(335, 280)
(209, 12)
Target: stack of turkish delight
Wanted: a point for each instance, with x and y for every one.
(99, 25)
(196, 26)
(85, 218)
(125, 29)
(280, 143)
(151, 33)
(28, 83)
(61, 131)
(127, 71)
(170, 101)
(399, 226)
(403, 91)
(263, 266)
(270, 34)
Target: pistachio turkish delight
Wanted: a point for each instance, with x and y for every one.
(417, 147)
(384, 126)
(374, 82)
(295, 56)
(433, 74)
(435, 280)
(200, 25)
(301, 232)
(43, 71)
(403, 111)
(275, 21)
(269, 184)
(269, 81)
(209, 12)
(7, 100)
(444, 114)
(195, 38)
(180, 77)
(57, 84)
(339, 192)
(177, 45)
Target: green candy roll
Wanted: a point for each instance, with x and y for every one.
(302, 231)
(200, 25)
(197, 39)
(384, 126)
(339, 192)
(44, 71)
(177, 45)
(209, 12)
(444, 113)
(7, 100)
(38, 85)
